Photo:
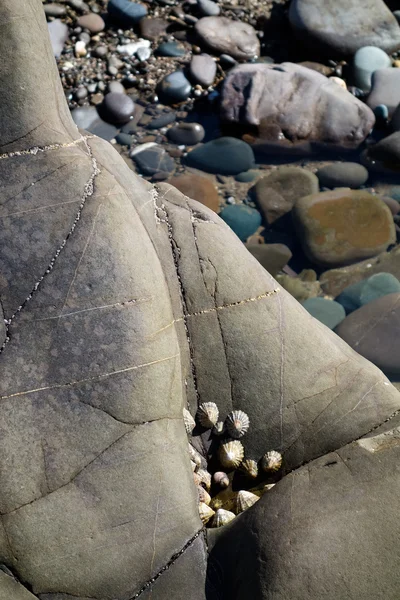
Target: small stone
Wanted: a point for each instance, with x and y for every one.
(94, 23)
(170, 49)
(328, 312)
(116, 87)
(162, 120)
(387, 150)
(366, 61)
(222, 35)
(385, 89)
(80, 49)
(132, 48)
(81, 93)
(208, 8)
(152, 28)
(299, 289)
(381, 113)
(118, 108)
(100, 51)
(58, 32)
(143, 54)
(187, 134)
(126, 12)
(225, 155)
(174, 88)
(227, 61)
(124, 139)
(243, 220)
(54, 10)
(203, 69)
(344, 174)
(273, 257)
(87, 117)
(152, 160)
(246, 176)
(199, 188)
(358, 294)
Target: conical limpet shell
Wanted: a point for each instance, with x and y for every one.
(221, 479)
(244, 500)
(271, 461)
(222, 517)
(205, 512)
(262, 489)
(231, 454)
(219, 428)
(205, 478)
(204, 496)
(189, 422)
(225, 499)
(195, 456)
(207, 414)
(249, 467)
(237, 423)
(193, 465)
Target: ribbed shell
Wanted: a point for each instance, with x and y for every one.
(222, 517)
(271, 461)
(237, 423)
(204, 496)
(195, 456)
(249, 468)
(219, 428)
(205, 478)
(196, 478)
(205, 512)
(207, 414)
(221, 479)
(244, 500)
(189, 422)
(231, 454)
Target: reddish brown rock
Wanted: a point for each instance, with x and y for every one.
(343, 226)
(199, 188)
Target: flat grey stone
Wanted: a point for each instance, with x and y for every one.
(203, 69)
(366, 61)
(345, 174)
(224, 36)
(385, 89)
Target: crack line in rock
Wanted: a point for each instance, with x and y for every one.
(123, 304)
(36, 149)
(87, 193)
(169, 564)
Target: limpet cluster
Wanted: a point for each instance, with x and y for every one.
(218, 503)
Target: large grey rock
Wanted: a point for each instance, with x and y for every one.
(344, 26)
(296, 103)
(124, 303)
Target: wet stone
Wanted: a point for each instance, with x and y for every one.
(124, 139)
(115, 87)
(117, 108)
(203, 69)
(127, 13)
(225, 155)
(208, 8)
(162, 120)
(242, 219)
(187, 134)
(170, 49)
(174, 88)
(154, 160)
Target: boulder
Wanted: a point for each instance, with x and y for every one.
(298, 104)
(343, 226)
(341, 27)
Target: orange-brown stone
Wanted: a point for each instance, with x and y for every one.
(198, 188)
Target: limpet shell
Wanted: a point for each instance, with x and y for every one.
(189, 422)
(250, 468)
(205, 478)
(195, 456)
(271, 461)
(244, 500)
(207, 414)
(237, 423)
(222, 517)
(225, 499)
(221, 479)
(204, 496)
(219, 428)
(205, 512)
(231, 454)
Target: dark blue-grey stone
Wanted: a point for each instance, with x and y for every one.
(208, 8)
(328, 312)
(243, 220)
(117, 108)
(170, 49)
(154, 160)
(174, 88)
(381, 112)
(124, 139)
(226, 156)
(367, 60)
(187, 134)
(87, 117)
(246, 176)
(363, 292)
(345, 174)
(126, 12)
(162, 120)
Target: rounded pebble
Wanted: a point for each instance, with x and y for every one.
(187, 134)
(328, 312)
(243, 220)
(344, 174)
(174, 88)
(117, 108)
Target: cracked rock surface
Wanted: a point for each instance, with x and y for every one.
(122, 304)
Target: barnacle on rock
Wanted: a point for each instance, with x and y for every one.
(237, 423)
(205, 512)
(207, 414)
(249, 468)
(230, 454)
(222, 517)
(221, 479)
(271, 461)
(244, 500)
(189, 422)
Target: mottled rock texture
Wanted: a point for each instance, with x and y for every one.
(124, 303)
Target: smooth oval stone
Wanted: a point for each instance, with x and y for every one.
(154, 160)
(385, 89)
(392, 204)
(387, 150)
(162, 120)
(187, 134)
(381, 113)
(208, 8)
(54, 10)
(366, 61)
(345, 174)
(246, 176)
(242, 219)
(372, 331)
(115, 87)
(273, 257)
(58, 32)
(226, 156)
(152, 28)
(199, 188)
(174, 88)
(87, 117)
(343, 226)
(328, 312)
(358, 294)
(126, 12)
(203, 69)
(124, 139)
(170, 49)
(117, 108)
(94, 23)
(224, 36)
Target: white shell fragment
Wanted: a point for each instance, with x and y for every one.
(249, 468)
(271, 461)
(204, 496)
(207, 414)
(188, 421)
(237, 423)
(244, 500)
(231, 454)
(205, 512)
(219, 428)
(195, 456)
(221, 479)
(222, 517)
